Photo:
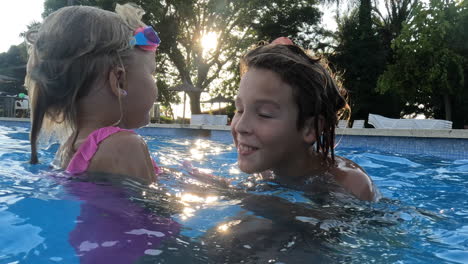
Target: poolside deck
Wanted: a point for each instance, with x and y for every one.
(447, 143)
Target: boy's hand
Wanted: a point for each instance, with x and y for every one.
(204, 176)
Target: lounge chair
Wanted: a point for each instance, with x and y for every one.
(342, 123)
(212, 120)
(201, 119)
(379, 121)
(22, 108)
(358, 123)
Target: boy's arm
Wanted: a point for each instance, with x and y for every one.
(205, 177)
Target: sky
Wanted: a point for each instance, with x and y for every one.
(14, 16)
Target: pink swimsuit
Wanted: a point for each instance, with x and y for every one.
(80, 161)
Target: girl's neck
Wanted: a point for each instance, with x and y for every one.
(91, 123)
(98, 109)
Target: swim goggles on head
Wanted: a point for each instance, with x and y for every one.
(146, 38)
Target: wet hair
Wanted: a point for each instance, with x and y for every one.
(73, 49)
(315, 91)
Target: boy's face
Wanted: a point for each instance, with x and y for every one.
(264, 126)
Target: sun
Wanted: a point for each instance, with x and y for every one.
(209, 41)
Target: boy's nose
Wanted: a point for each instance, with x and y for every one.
(243, 124)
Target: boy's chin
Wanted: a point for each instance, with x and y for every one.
(249, 169)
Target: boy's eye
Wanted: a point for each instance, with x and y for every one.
(265, 115)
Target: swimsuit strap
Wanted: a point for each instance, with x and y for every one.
(82, 158)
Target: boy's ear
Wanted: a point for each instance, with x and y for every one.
(117, 81)
(308, 131)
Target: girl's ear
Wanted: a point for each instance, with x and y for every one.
(117, 81)
(308, 131)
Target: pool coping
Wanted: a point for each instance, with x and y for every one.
(450, 143)
(372, 132)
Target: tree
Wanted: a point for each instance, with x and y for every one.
(13, 65)
(360, 57)
(236, 24)
(460, 46)
(363, 49)
(397, 12)
(430, 60)
(185, 27)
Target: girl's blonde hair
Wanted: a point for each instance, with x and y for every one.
(74, 48)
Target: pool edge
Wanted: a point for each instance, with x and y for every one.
(450, 143)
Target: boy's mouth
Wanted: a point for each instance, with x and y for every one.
(244, 150)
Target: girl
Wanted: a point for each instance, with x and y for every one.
(91, 73)
(284, 127)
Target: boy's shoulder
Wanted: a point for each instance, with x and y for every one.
(353, 178)
(123, 153)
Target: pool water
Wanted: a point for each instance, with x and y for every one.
(48, 217)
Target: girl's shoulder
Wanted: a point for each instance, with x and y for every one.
(124, 153)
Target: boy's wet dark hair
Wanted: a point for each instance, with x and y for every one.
(314, 89)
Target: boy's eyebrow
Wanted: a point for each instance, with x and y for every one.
(261, 102)
(266, 101)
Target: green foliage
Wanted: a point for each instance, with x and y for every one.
(431, 61)
(391, 63)
(287, 18)
(166, 120)
(238, 24)
(181, 25)
(13, 65)
(360, 56)
(362, 52)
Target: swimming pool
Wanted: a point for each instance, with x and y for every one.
(45, 217)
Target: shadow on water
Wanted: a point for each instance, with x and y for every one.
(180, 220)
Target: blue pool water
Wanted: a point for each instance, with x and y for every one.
(46, 217)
